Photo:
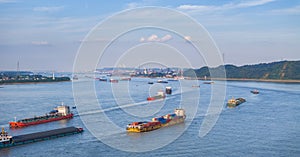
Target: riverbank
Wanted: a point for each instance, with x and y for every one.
(254, 80)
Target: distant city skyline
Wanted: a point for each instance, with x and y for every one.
(46, 35)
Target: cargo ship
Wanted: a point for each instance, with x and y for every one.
(235, 102)
(8, 141)
(59, 113)
(167, 120)
(160, 95)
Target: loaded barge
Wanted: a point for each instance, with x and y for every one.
(59, 113)
(8, 141)
(170, 119)
(235, 102)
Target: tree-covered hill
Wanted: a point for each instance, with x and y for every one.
(283, 70)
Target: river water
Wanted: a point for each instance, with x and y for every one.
(267, 124)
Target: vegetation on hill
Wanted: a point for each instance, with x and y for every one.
(283, 70)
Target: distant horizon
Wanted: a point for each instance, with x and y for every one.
(92, 70)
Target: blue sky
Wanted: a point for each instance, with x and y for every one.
(46, 34)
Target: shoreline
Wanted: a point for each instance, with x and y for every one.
(40, 82)
(252, 80)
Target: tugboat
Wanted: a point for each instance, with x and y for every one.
(5, 139)
(235, 102)
(167, 120)
(59, 113)
(255, 91)
(160, 95)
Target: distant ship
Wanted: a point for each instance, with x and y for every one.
(162, 81)
(126, 79)
(160, 95)
(170, 119)
(59, 113)
(255, 91)
(208, 82)
(113, 81)
(235, 102)
(103, 79)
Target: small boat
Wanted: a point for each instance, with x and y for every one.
(113, 81)
(235, 102)
(160, 95)
(103, 79)
(150, 82)
(208, 82)
(169, 90)
(196, 86)
(255, 91)
(162, 81)
(167, 120)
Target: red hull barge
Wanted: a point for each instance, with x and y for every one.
(160, 95)
(59, 113)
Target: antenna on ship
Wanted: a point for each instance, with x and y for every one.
(15, 119)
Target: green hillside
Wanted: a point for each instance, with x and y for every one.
(283, 70)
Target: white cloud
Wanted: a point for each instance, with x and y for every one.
(40, 43)
(228, 6)
(292, 10)
(253, 3)
(48, 9)
(154, 37)
(166, 38)
(197, 7)
(132, 5)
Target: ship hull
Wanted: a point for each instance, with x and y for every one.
(23, 124)
(155, 98)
